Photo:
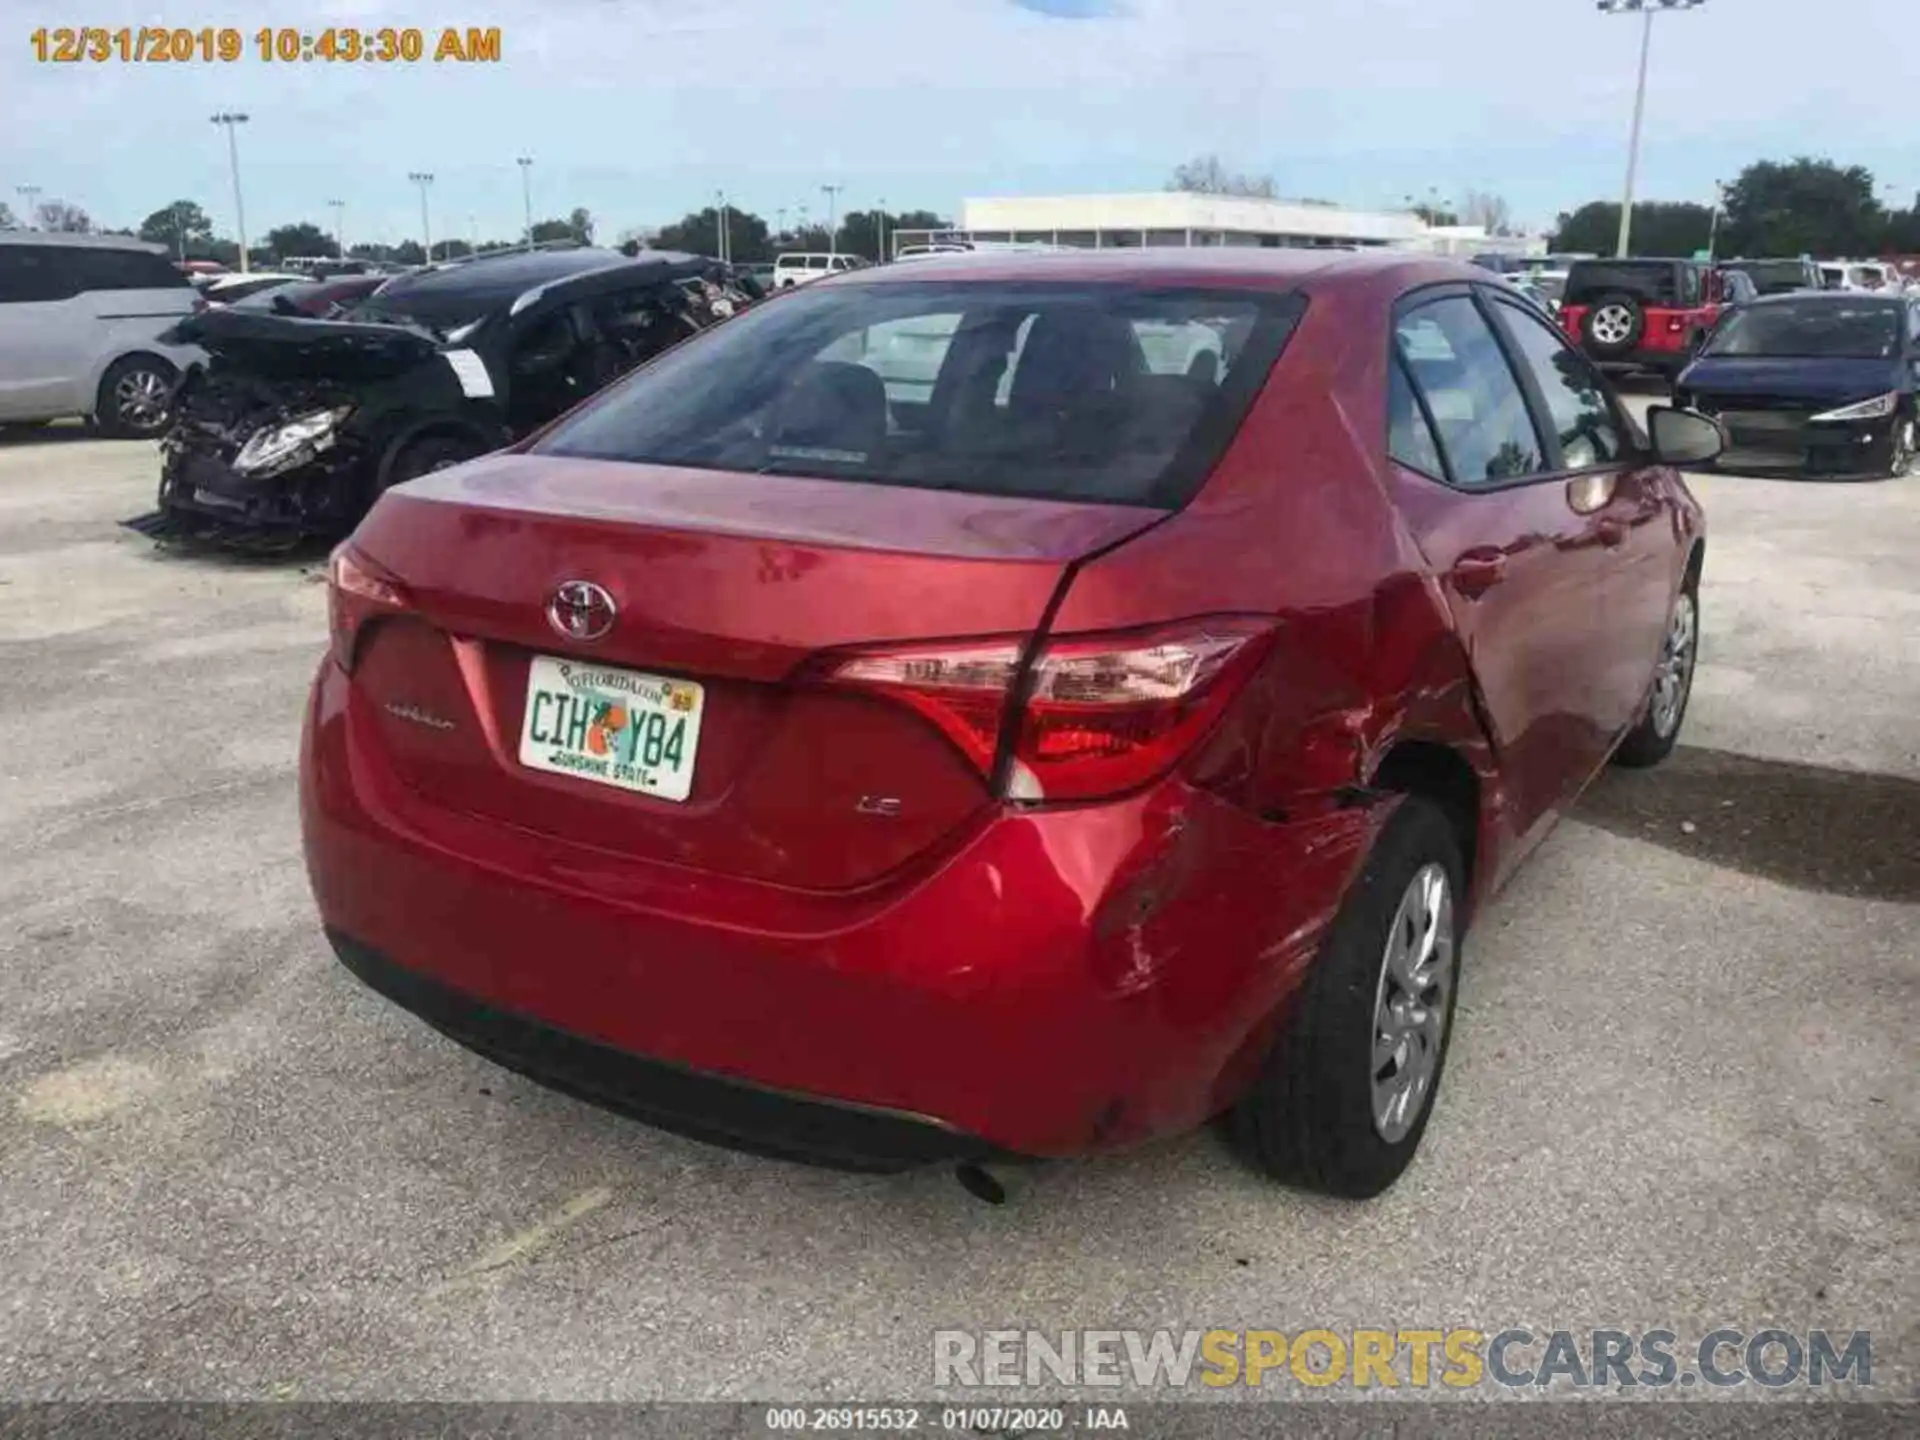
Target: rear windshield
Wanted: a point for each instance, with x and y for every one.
(1656, 284)
(1776, 277)
(1820, 329)
(1054, 391)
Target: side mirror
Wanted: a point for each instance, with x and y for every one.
(1683, 437)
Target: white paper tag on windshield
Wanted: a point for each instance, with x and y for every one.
(475, 382)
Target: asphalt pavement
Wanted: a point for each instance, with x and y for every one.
(1682, 1092)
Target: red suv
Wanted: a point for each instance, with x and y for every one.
(1642, 314)
(930, 718)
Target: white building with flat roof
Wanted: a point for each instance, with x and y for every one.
(1175, 217)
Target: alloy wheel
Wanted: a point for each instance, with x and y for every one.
(1612, 324)
(141, 398)
(1675, 675)
(1410, 1003)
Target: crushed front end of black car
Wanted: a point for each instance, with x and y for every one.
(296, 426)
(284, 436)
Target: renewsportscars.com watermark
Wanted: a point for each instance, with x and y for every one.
(1457, 1359)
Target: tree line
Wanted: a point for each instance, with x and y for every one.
(1775, 208)
(188, 233)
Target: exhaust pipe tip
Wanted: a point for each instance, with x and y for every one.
(978, 1182)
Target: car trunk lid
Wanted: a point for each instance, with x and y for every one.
(735, 583)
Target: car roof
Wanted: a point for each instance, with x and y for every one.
(1226, 266)
(80, 242)
(492, 282)
(1831, 297)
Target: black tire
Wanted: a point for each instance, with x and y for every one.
(1615, 341)
(430, 453)
(1653, 738)
(133, 401)
(1309, 1118)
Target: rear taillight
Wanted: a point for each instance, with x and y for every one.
(1099, 714)
(356, 594)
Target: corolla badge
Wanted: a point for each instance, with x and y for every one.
(582, 610)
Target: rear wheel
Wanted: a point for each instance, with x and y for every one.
(132, 404)
(1653, 739)
(1348, 1088)
(428, 454)
(1614, 325)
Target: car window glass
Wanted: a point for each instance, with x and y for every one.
(1028, 389)
(36, 272)
(1689, 285)
(1409, 438)
(1486, 431)
(816, 262)
(906, 354)
(105, 269)
(1192, 348)
(1578, 406)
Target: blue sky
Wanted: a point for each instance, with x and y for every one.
(641, 109)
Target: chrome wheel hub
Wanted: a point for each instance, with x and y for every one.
(1612, 325)
(1410, 1003)
(141, 397)
(1675, 675)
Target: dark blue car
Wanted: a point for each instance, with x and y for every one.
(1816, 385)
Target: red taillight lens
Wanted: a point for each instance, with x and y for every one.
(1103, 714)
(962, 689)
(1108, 714)
(356, 594)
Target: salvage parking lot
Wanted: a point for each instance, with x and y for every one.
(1681, 1092)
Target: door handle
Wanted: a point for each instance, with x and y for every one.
(1477, 572)
(1612, 534)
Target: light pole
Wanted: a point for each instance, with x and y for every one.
(880, 225)
(233, 120)
(28, 199)
(424, 178)
(781, 218)
(339, 208)
(525, 162)
(1713, 224)
(832, 192)
(725, 257)
(1646, 10)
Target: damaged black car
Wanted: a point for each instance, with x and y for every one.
(295, 426)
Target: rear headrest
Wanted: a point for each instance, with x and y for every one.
(833, 405)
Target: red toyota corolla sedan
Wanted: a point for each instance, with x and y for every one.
(1006, 705)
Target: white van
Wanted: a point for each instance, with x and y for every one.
(79, 317)
(800, 267)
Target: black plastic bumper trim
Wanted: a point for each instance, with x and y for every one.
(717, 1109)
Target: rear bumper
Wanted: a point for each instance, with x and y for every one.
(1050, 983)
(705, 1107)
(1647, 358)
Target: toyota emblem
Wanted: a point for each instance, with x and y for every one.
(582, 610)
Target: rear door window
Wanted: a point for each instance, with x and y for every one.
(1486, 430)
(106, 269)
(1034, 389)
(1410, 439)
(31, 273)
(1583, 418)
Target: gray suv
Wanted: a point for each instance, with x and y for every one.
(79, 317)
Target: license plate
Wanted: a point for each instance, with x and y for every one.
(613, 727)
